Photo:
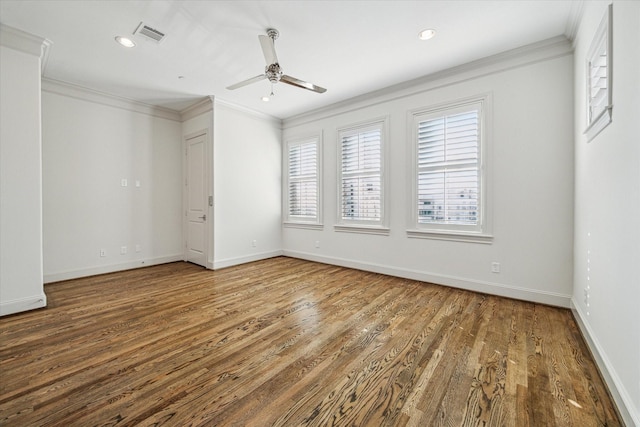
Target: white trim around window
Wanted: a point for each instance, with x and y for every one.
(450, 171)
(599, 73)
(362, 205)
(302, 183)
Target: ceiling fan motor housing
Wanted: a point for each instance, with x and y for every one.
(273, 33)
(273, 72)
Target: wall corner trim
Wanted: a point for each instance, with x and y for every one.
(23, 304)
(611, 378)
(230, 262)
(498, 289)
(112, 268)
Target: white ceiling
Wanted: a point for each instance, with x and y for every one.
(349, 47)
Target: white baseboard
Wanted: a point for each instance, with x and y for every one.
(92, 271)
(616, 388)
(229, 262)
(550, 298)
(23, 304)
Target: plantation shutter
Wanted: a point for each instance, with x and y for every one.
(448, 168)
(303, 181)
(362, 175)
(598, 90)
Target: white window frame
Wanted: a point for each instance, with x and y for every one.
(289, 221)
(601, 46)
(365, 226)
(482, 232)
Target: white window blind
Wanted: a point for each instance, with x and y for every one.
(303, 181)
(361, 175)
(448, 179)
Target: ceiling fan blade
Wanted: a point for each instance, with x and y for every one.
(247, 82)
(301, 83)
(268, 49)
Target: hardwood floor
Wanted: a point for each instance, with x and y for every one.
(285, 342)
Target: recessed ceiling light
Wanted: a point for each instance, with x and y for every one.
(427, 34)
(265, 98)
(125, 41)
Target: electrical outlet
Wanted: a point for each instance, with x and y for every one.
(254, 243)
(103, 253)
(123, 250)
(123, 182)
(138, 248)
(495, 267)
(317, 243)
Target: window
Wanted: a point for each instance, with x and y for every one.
(303, 182)
(361, 182)
(598, 79)
(448, 181)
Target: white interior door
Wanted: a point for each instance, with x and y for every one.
(196, 200)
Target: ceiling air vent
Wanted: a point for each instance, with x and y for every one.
(149, 33)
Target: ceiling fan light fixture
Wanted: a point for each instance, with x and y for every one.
(271, 95)
(125, 41)
(427, 34)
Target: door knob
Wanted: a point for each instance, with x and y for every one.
(203, 217)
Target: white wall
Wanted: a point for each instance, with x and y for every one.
(91, 143)
(532, 186)
(607, 209)
(247, 180)
(20, 177)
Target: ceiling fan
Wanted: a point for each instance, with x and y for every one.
(272, 70)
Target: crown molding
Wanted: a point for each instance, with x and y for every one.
(91, 95)
(23, 41)
(536, 52)
(201, 107)
(248, 111)
(44, 58)
(573, 22)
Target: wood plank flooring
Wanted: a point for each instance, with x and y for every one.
(285, 342)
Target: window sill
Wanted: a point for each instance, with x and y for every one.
(306, 225)
(601, 122)
(366, 229)
(451, 236)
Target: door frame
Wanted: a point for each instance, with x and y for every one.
(208, 224)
